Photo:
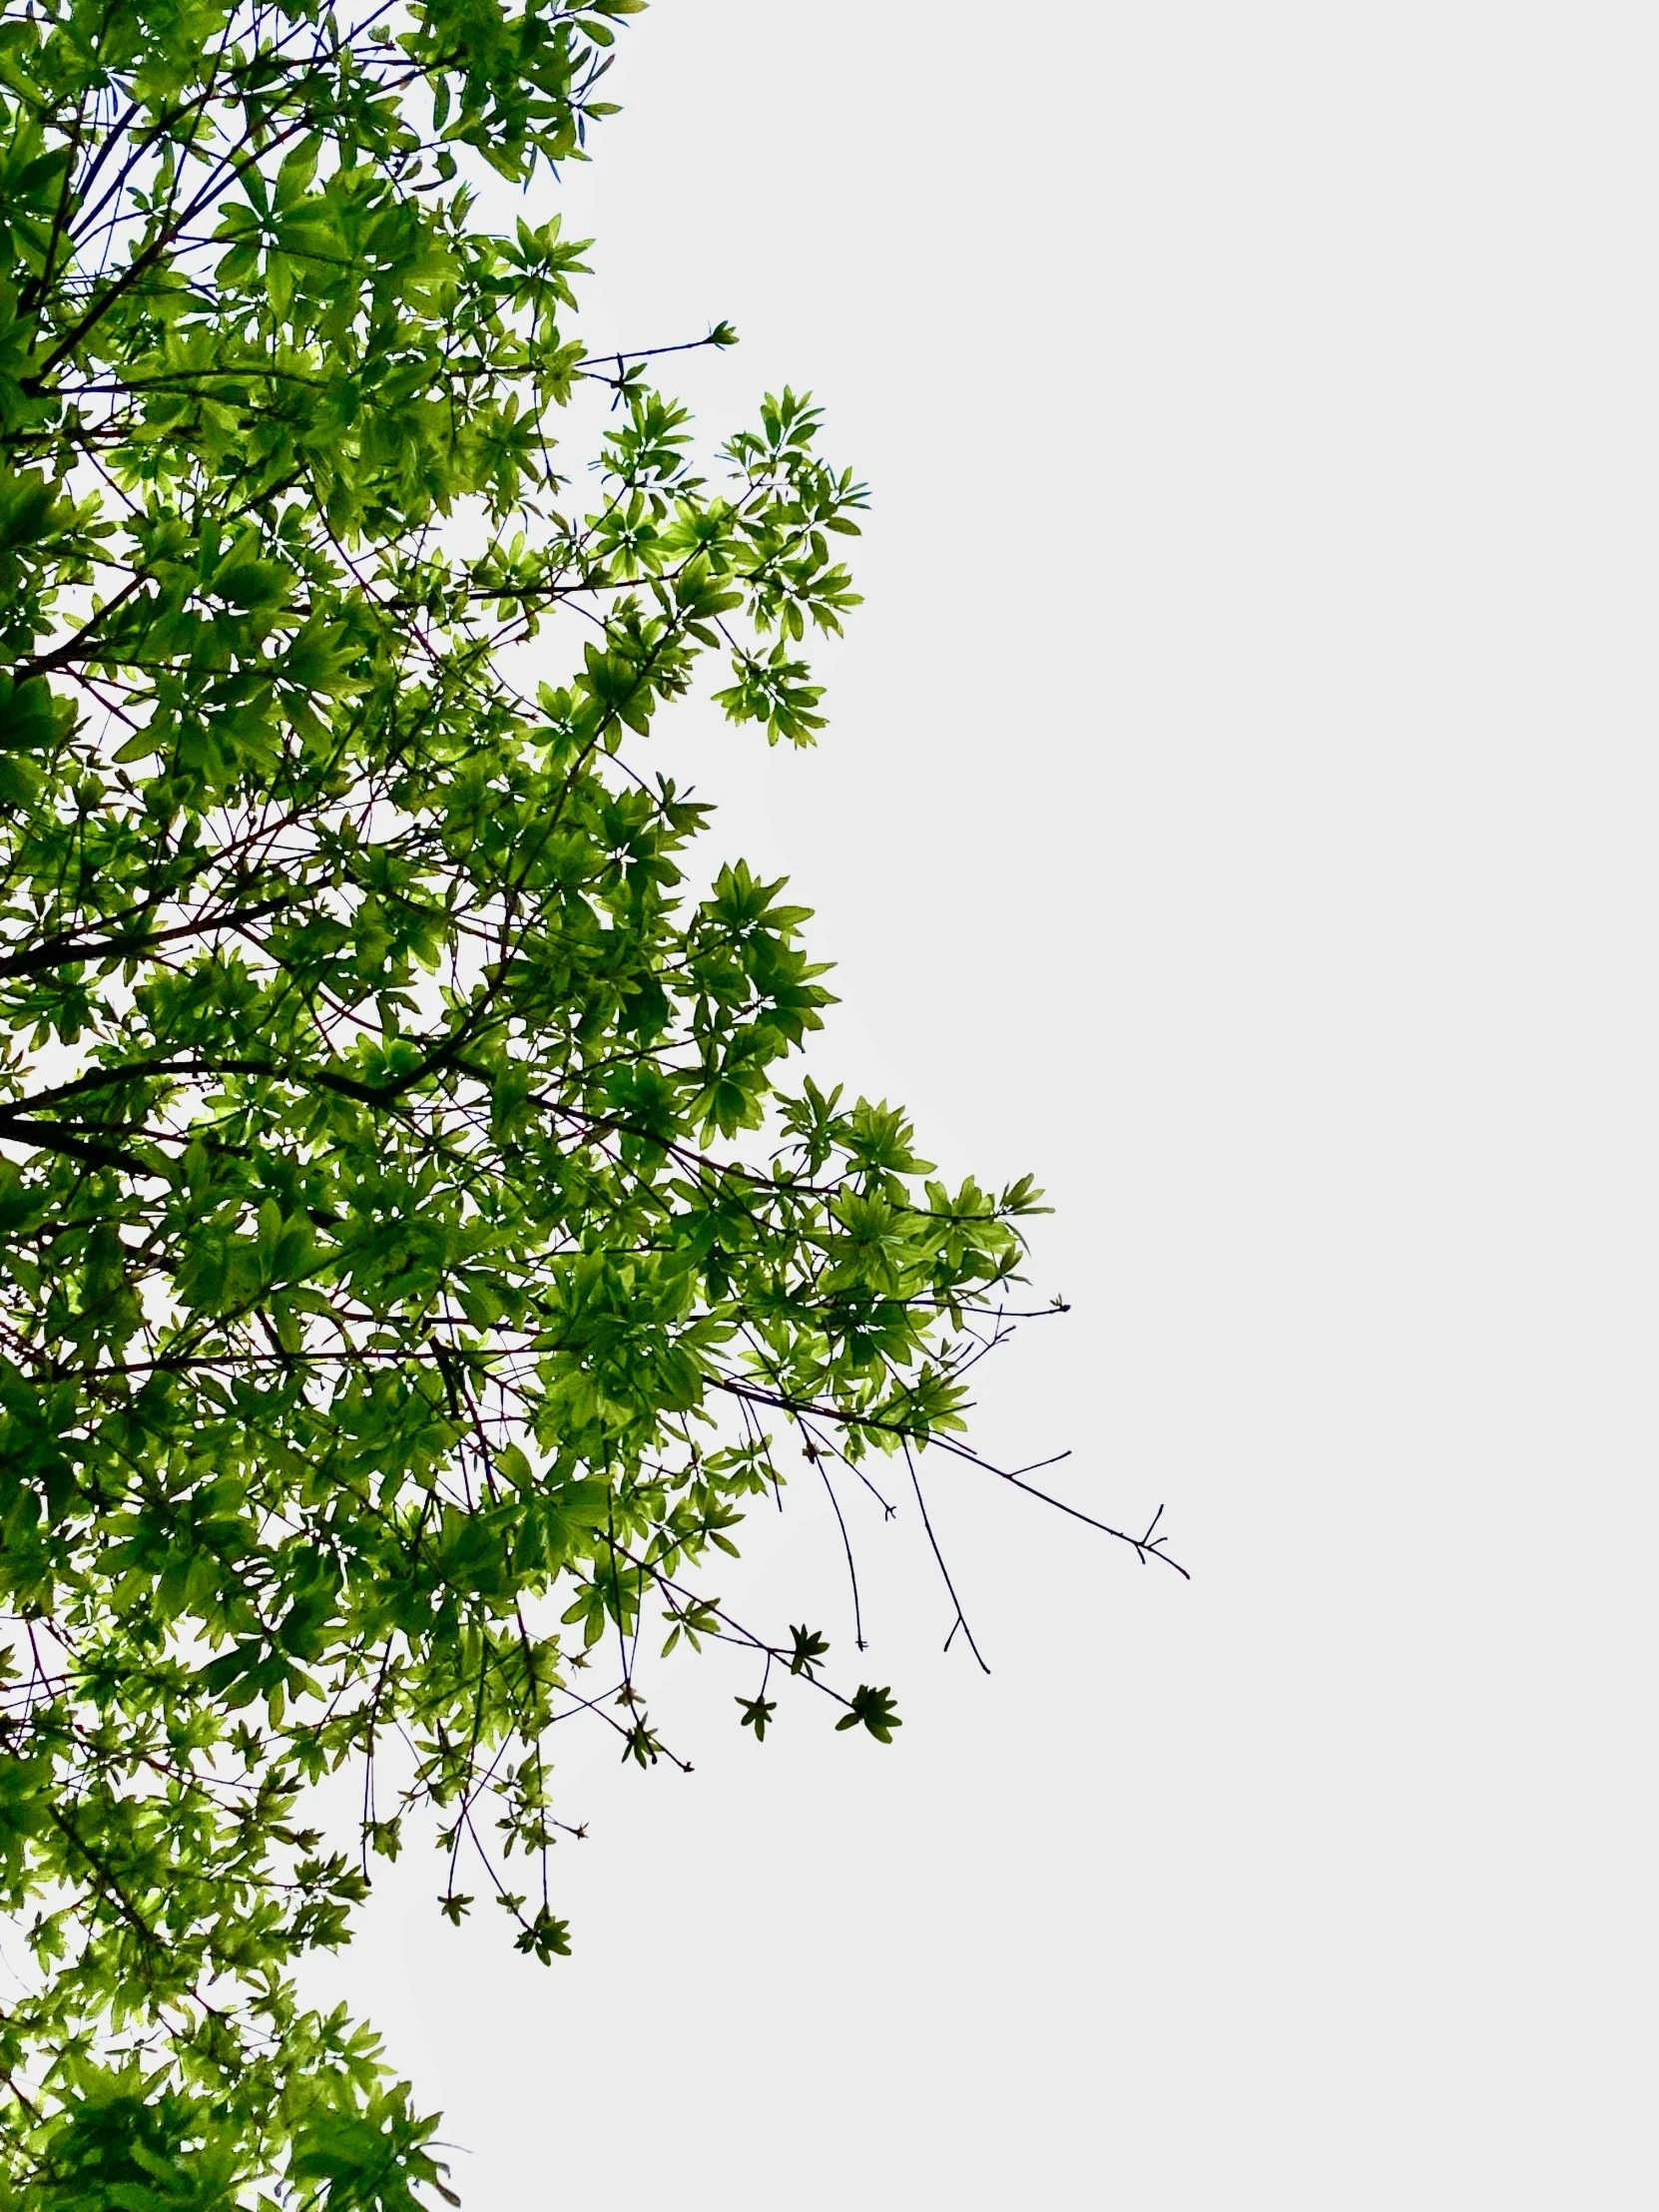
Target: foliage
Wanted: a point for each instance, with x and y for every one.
(390, 1321)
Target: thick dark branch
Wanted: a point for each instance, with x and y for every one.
(78, 647)
(144, 1071)
(65, 952)
(45, 1136)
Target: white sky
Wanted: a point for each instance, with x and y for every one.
(1239, 810)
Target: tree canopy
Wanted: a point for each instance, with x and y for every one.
(413, 1258)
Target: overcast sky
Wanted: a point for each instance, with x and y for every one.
(1239, 811)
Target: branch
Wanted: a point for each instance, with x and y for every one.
(45, 1137)
(63, 951)
(1143, 1547)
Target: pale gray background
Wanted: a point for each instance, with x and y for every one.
(1239, 808)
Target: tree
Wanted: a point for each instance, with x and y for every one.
(411, 1254)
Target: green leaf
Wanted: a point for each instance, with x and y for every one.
(873, 1708)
